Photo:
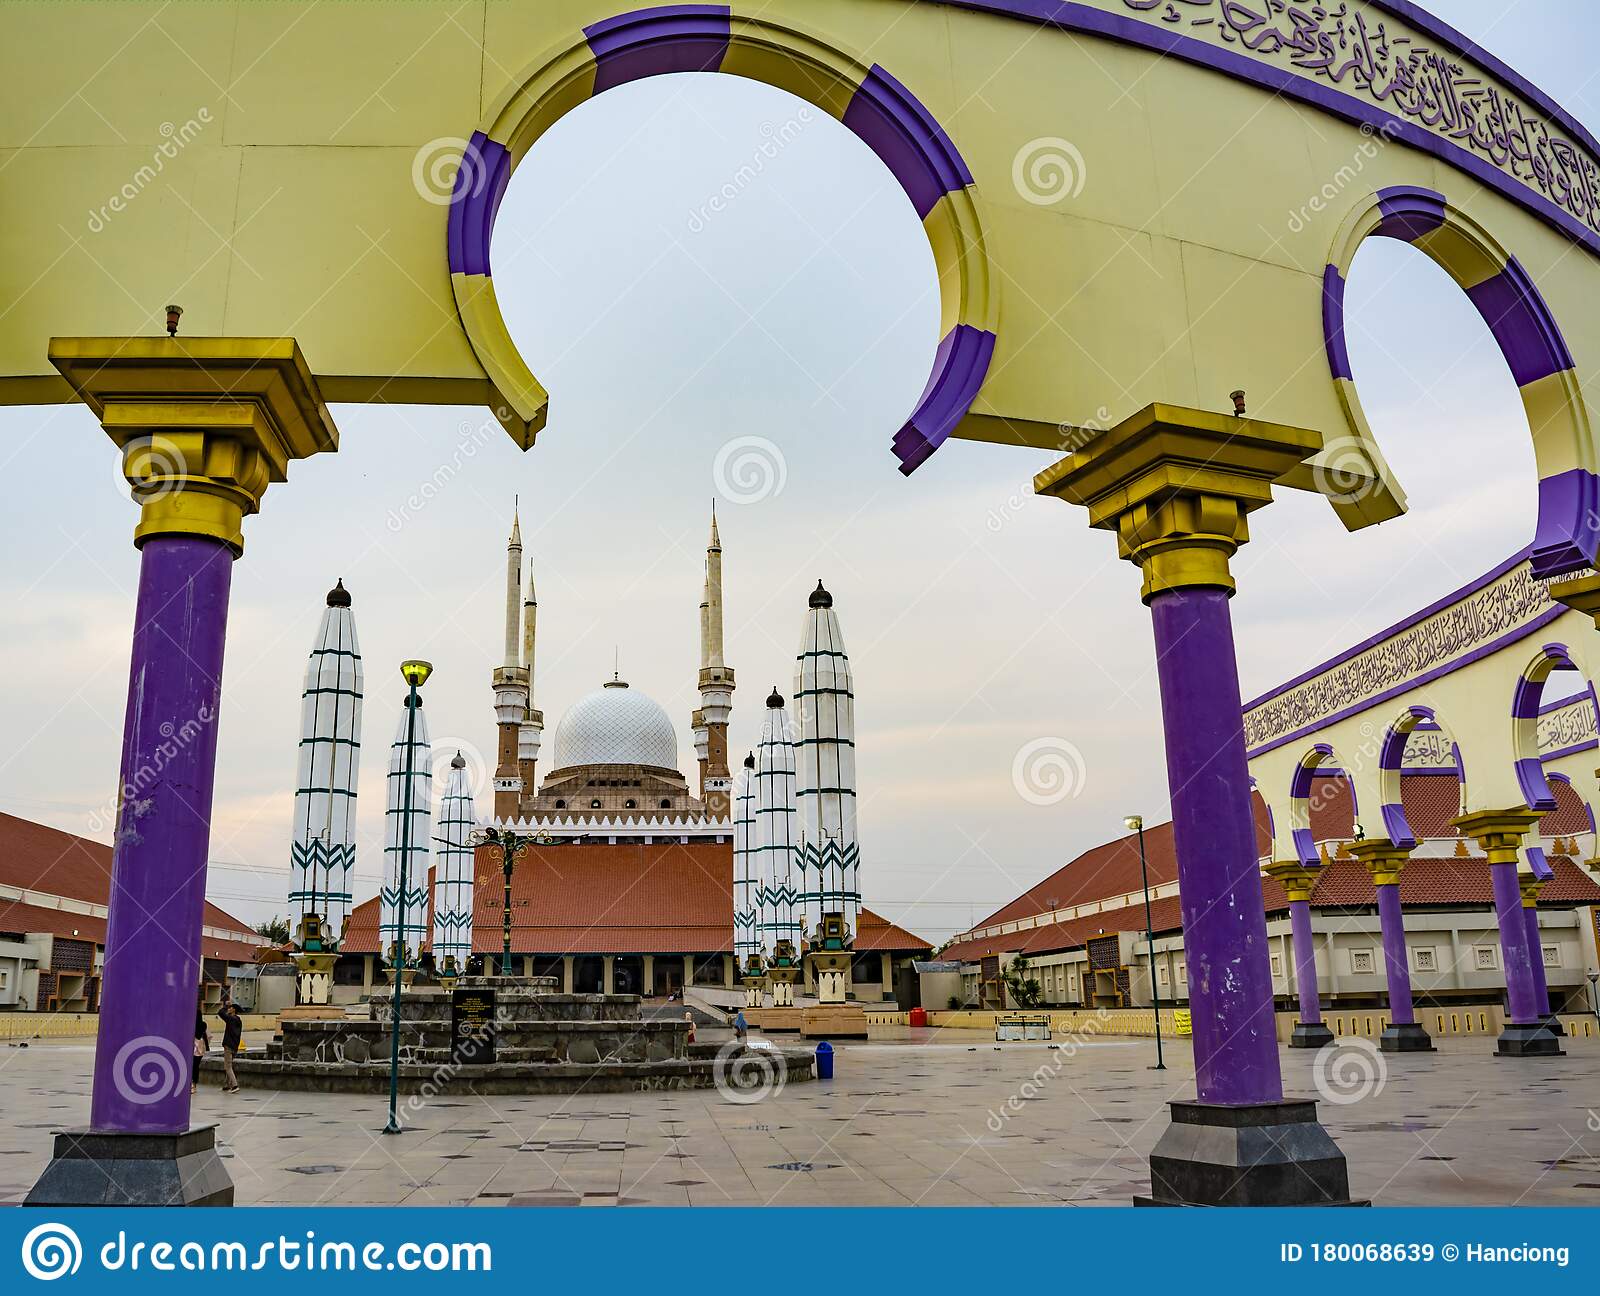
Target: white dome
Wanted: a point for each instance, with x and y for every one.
(616, 726)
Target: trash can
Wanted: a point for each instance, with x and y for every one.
(824, 1061)
(917, 1017)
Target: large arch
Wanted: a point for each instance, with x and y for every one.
(1568, 526)
(868, 100)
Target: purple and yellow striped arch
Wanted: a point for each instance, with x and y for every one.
(868, 100)
(1567, 534)
(1525, 703)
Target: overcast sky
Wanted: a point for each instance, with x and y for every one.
(762, 355)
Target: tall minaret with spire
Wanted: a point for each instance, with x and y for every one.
(531, 732)
(510, 686)
(716, 690)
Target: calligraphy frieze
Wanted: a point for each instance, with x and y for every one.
(1367, 52)
(1428, 749)
(1572, 725)
(1474, 621)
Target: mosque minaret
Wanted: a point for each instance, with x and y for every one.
(716, 689)
(510, 687)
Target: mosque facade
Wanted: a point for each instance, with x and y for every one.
(627, 878)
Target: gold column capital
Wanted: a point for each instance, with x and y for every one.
(1530, 887)
(204, 424)
(1384, 860)
(1297, 881)
(1177, 485)
(1499, 832)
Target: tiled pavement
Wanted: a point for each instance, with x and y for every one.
(913, 1117)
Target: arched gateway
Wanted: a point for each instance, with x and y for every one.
(1136, 209)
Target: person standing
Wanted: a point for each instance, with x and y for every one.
(232, 1033)
(741, 1028)
(202, 1042)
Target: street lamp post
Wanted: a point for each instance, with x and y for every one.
(1594, 993)
(415, 674)
(510, 843)
(1136, 822)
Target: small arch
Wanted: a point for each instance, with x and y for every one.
(1526, 697)
(1392, 778)
(1567, 534)
(1317, 763)
(867, 100)
(561, 805)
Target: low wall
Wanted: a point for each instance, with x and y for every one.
(35, 1025)
(1368, 1023)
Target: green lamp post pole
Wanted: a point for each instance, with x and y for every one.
(1136, 822)
(415, 674)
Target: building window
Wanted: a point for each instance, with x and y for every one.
(630, 804)
(1552, 956)
(595, 804)
(1483, 958)
(1427, 960)
(666, 804)
(1361, 961)
(1161, 974)
(1277, 965)
(561, 805)
(1183, 974)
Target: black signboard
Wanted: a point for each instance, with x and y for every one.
(472, 1027)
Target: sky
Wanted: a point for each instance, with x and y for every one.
(759, 356)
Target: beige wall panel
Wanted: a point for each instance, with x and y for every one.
(355, 74)
(336, 281)
(109, 74)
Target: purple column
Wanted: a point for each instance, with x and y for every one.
(1394, 955)
(1214, 835)
(1541, 987)
(158, 871)
(1305, 962)
(1514, 946)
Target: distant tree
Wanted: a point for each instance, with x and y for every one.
(274, 929)
(1025, 992)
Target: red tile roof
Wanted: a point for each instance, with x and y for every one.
(55, 863)
(597, 898)
(1426, 882)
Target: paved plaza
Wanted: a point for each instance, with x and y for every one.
(911, 1117)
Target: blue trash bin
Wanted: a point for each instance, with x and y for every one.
(824, 1061)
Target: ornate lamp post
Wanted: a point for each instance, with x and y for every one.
(1136, 823)
(509, 843)
(415, 674)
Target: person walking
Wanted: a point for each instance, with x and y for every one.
(202, 1042)
(232, 1034)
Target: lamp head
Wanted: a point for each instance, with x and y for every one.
(415, 673)
(1133, 823)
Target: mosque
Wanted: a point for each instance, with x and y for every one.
(625, 875)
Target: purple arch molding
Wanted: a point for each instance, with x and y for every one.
(882, 113)
(1567, 533)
